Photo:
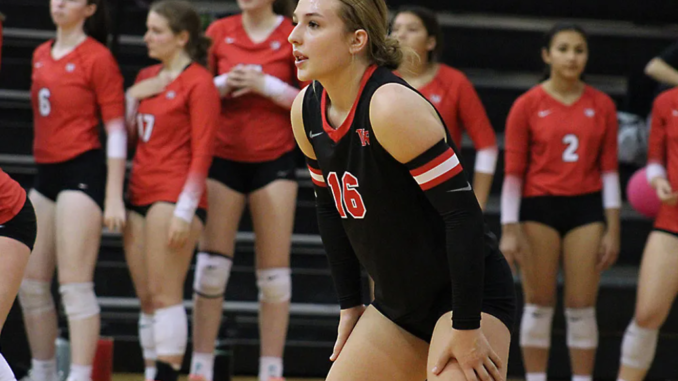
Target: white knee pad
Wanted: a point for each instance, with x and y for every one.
(639, 346)
(535, 326)
(582, 328)
(79, 300)
(146, 337)
(35, 297)
(211, 275)
(275, 285)
(170, 327)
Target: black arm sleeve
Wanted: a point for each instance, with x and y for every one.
(456, 203)
(344, 265)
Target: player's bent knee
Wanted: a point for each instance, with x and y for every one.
(211, 274)
(35, 297)
(79, 300)
(275, 285)
(170, 329)
(639, 346)
(535, 327)
(582, 328)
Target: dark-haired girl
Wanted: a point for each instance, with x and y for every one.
(253, 165)
(561, 200)
(448, 89)
(175, 109)
(76, 84)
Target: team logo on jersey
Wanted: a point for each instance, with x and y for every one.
(675, 112)
(544, 113)
(364, 136)
(590, 112)
(275, 45)
(230, 40)
(171, 94)
(70, 67)
(435, 98)
(38, 65)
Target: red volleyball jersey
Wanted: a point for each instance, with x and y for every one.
(558, 149)
(70, 96)
(176, 137)
(457, 101)
(12, 197)
(252, 127)
(663, 144)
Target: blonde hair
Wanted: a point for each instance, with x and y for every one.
(372, 16)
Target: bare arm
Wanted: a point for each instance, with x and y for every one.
(662, 72)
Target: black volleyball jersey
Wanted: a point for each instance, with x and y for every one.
(395, 231)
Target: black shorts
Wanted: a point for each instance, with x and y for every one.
(22, 227)
(142, 210)
(246, 178)
(85, 173)
(499, 300)
(563, 213)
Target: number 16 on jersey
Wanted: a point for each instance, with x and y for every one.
(347, 194)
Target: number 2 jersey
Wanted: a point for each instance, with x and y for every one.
(69, 97)
(393, 228)
(175, 141)
(561, 150)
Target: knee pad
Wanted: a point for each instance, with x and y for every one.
(582, 328)
(535, 326)
(211, 274)
(79, 300)
(170, 328)
(35, 297)
(146, 337)
(639, 346)
(275, 285)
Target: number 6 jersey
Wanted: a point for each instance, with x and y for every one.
(69, 95)
(561, 150)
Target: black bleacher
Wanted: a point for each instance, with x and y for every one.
(496, 44)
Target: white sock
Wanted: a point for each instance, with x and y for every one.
(203, 364)
(80, 373)
(150, 372)
(6, 373)
(535, 377)
(43, 369)
(270, 367)
(576, 377)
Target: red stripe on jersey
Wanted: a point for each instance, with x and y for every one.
(433, 163)
(316, 171)
(442, 178)
(318, 183)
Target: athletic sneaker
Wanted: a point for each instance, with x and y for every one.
(29, 377)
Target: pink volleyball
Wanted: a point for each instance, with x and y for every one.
(642, 197)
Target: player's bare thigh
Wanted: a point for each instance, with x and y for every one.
(378, 349)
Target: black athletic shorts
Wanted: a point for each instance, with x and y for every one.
(499, 300)
(22, 227)
(246, 178)
(85, 173)
(142, 210)
(563, 213)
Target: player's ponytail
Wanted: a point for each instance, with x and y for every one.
(181, 16)
(96, 26)
(372, 16)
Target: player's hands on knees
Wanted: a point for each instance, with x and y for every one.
(114, 214)
(609, 249)
(512, 244)
(179, 231)
(246, 79)
(474, 354)
(664, 191)
(347, 321)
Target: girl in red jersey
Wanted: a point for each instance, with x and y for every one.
(17, 236)
(75, 84)
(657, 286)
(561, 172)
(448, 89)
(175, 107)
(253, 164)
